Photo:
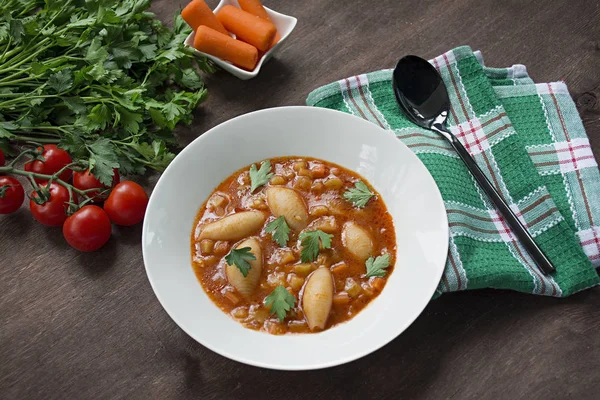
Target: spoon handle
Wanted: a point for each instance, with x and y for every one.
(520, 231)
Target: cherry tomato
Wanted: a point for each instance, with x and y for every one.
(11, 197)
(88, 229)
(56, 159)
(126, 204)
(54, 211)
(85, 180)
(2, 159)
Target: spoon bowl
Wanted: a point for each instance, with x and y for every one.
(420, 91)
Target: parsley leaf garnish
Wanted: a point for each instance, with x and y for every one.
(310, 244)
(17, 30)
(240, 258)
(280, 229)
(359, 195)
(103, 160)
(377, 266)
(280, 301)
(100, 115)
(61, 81)
(261, 176)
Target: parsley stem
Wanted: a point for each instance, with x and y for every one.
(35, 139)
(61, 128)
(30, 7)
(4, 95)
(52, 128)
(149, 164)
(47, 134)
(97, 99)
(25, 59)
(7, 47)
(20, 50)
(102, 89)
(131, 143)
(9, 79)
(27, 84)
(24, 99)
(25, 95)
(11, 83)
(16, 50)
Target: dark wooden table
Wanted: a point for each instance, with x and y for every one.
(83, 326)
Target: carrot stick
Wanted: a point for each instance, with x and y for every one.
(215, 43)
(247, 27)
(255, 7)
(197, 13)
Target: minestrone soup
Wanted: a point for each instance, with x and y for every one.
(293, 245)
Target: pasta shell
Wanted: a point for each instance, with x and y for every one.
(357, 241)
(234, 227)
(326, 224)
(246, 285)
(317, 298)
(286, 202)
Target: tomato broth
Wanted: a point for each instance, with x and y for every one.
(323, 205)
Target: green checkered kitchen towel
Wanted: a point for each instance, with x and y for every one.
(530, 141)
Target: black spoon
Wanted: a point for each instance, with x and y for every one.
(422, 95)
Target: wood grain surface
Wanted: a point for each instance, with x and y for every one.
(88, 326)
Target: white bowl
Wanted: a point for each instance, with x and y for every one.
(285, 25)
(404, 183)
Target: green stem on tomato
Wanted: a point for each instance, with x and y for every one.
(72, 207)
(95, 190)
(33, 175)
(33, 183)
(75, 166)
(33, 152)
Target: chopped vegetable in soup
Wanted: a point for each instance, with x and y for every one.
(293, 245)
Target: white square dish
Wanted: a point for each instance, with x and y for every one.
(285, 25)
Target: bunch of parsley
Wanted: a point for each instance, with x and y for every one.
(104, 79)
